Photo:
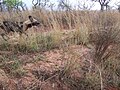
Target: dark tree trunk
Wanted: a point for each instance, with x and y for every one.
(119, 9)
(1, 7)
(102, 8)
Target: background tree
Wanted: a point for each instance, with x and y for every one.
(51, 6)
(103, 4)
(118, 6)
(85, 5)
(64, 5)
(11, 5)
(40, 3)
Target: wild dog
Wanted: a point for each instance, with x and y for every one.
(30, 23)
(20, 27)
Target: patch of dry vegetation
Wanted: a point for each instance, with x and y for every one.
(96, 69)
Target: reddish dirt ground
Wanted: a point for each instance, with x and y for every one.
(52, 61)
(40, 71)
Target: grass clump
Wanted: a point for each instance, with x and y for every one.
(11, 65)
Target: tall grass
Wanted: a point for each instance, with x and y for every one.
(64, 28)
(53, 21)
